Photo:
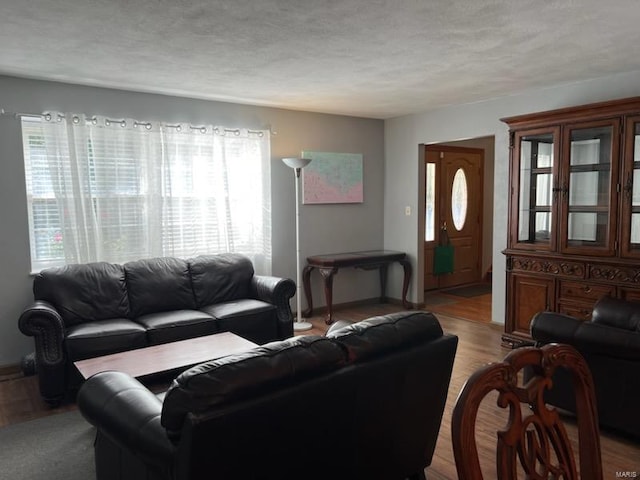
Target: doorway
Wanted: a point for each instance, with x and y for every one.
(453, 203)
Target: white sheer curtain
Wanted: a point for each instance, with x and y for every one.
(104, 190)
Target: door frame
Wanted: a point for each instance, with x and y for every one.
(438, 147)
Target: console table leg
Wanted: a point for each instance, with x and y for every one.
(383, 282)
(327, 275)
(306, 282)
(406, 265)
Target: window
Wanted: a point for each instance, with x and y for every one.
(459, 201)
(430, 203)
(101, 190)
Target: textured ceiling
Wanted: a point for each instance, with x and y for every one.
(370, 58)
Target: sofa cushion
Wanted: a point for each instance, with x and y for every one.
(247, 375)
(176, 325)
(252, 319)
(92, 339)
(616, 312)
(158, 285)
(84, 292)
(376, 335)
(220, 278)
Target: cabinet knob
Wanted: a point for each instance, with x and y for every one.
(587, 289)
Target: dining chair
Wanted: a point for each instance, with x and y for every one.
(534, 443)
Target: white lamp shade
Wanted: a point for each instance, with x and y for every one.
(296, 162)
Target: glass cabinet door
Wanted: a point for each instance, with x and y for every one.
(533, 202)
(588, 179)
(630, 215)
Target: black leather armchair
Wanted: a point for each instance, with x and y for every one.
(610, 343)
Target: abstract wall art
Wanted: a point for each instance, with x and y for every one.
(332, 178)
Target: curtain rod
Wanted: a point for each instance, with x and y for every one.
(19, 114)
(201, 128)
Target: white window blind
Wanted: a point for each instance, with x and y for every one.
(103, 190)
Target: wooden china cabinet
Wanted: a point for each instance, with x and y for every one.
(574, 211)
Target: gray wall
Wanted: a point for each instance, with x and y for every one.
(324, 228)
(404, 134)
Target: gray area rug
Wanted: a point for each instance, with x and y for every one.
(57, 447)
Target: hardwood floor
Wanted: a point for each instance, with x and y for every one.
(479, 343)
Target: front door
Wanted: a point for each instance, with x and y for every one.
(453, 214)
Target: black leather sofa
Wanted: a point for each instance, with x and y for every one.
(610, 343)
(365, 401)
(84, 311)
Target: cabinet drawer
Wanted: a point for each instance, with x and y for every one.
(631, 294)
(581, 311)
(585, 291)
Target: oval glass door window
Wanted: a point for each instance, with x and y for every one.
(459, 200)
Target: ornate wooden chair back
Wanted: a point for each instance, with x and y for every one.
(534, 443)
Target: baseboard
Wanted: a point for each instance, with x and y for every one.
(397, 301)
(9, 372)
(360, 303)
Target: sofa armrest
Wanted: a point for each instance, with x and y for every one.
(43, 322)
(128, 413)
(551, 327)
(337, 325)
(277, 291)
(272, 289)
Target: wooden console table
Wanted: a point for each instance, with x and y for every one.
(329, 264)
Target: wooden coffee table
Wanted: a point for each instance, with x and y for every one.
(166, 357)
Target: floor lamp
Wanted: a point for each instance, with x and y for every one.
(298, 164)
